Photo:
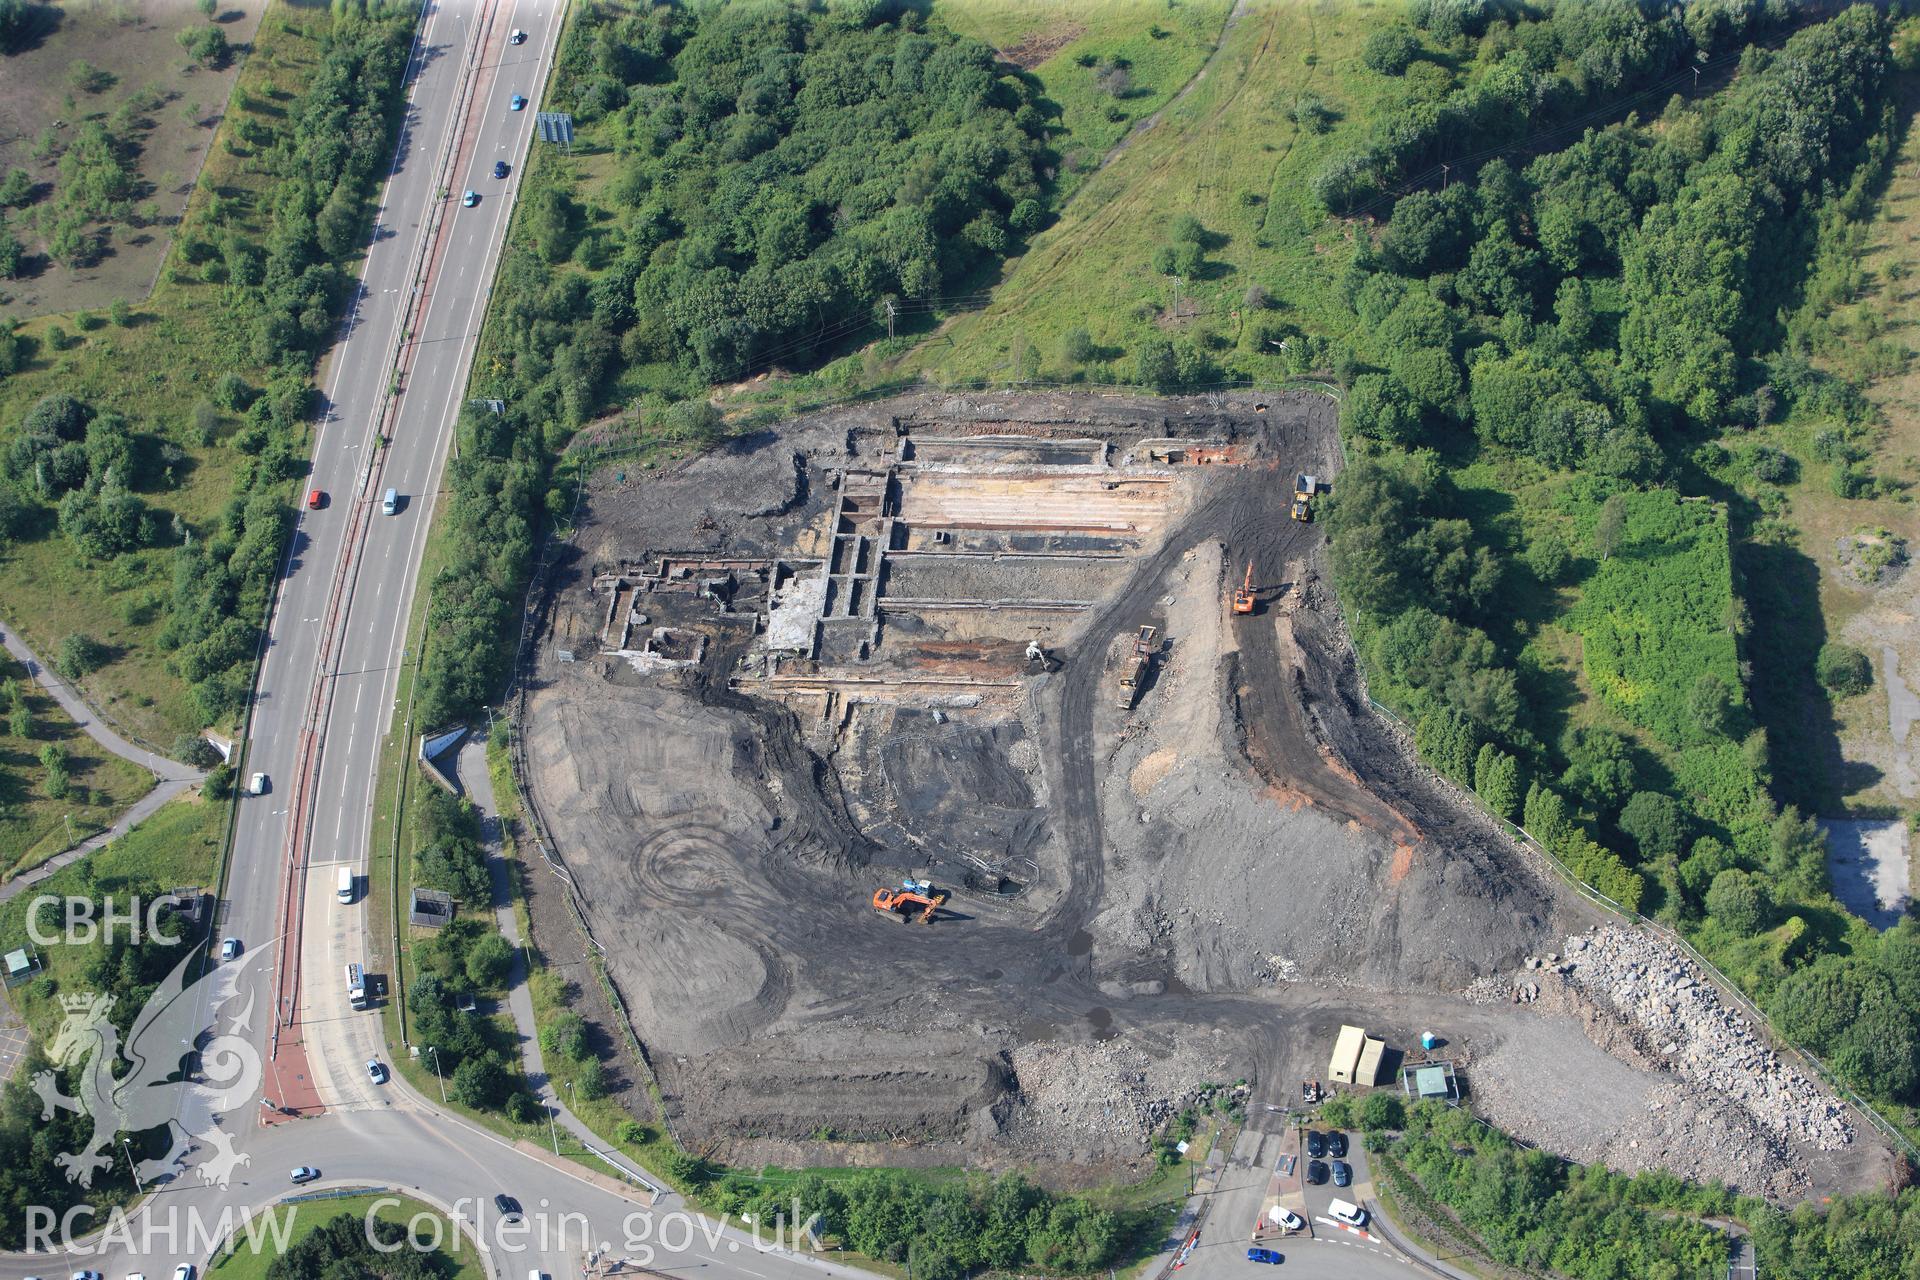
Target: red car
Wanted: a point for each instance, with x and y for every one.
(315, 499)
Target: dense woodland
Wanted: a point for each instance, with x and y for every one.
(1606, 313)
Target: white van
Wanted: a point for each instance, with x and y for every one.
(346, 884)
(391, 503)
(1345, 1211)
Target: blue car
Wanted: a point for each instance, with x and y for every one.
(499, 168)
(1264, 1255)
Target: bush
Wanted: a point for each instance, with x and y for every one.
(1844, 669)
(488, 961)
(1389, 51)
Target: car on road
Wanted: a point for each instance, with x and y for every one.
(509, 1207)
(377, 1072)
(1316, 1143)
(136, 1275)
(257, 785)
(1337, 1145)
(1344, 1211)
(1264, 1255)
(315, 499)
(183, 1272)
(517, 103)
(230, 948)
(305, 1173)
(1285, 1219)
(499, 168)
(1316, 1172)
(1342, 1174)
(470, 199)
(517, 36)
(88, 1275)
(391, 503)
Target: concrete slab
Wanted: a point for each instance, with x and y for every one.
(1871, 864)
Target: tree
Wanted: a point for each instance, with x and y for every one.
(1496, 779)
(1611, 528)
(488, 961)
(1446, 741)
(53, 759)
(1380, 1111)
(1155, 365)
(206, 45)
(1711, 706)
(1075, 1238)
(80, 655)
(1599, 766)
(1656, 824)
(12, 253)
(479, 1082)
(1740, 901)
(1076, 347)
(1845, 670)
(590, 1081)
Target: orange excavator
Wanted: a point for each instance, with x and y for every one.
(916, 901)
(1243, 594)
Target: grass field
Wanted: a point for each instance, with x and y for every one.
(1226, 153)
(178, 846)
(119, 62)
(459, 1257)
(1075, 47)
(35, 826)
(157, 369)
(1871, 338)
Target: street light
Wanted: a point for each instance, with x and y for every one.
(130, 1169)
(437, 1076)
(552, 1130)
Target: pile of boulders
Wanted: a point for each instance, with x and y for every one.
(1104, 1095)
(1679, 1019)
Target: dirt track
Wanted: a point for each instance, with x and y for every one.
(1209, 883)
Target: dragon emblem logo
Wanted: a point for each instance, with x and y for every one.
(155, 1091)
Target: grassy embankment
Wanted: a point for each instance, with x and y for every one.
(34, 825)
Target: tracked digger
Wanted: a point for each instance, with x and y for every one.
(1243, 594)
(915, 900)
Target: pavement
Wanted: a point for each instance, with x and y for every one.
(478, 786)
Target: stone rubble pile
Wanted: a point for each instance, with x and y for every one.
(1681, 1020)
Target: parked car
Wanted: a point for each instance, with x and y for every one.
(470, 199)
(230, 949)
(305, 1173)
(1342, 1174)
(1337, 1145)
(88, 1275)
(1343, 1211)
(1264, 1255)
(1316, 1143)
(1316, 1172)
(377, 1072)
(183, 1272)
(499, 168)
(1285, 1219)
(517, 103)
(509, 1207)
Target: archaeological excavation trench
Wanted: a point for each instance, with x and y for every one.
(887, 643)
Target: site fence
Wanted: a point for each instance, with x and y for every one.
(1799, 1055)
